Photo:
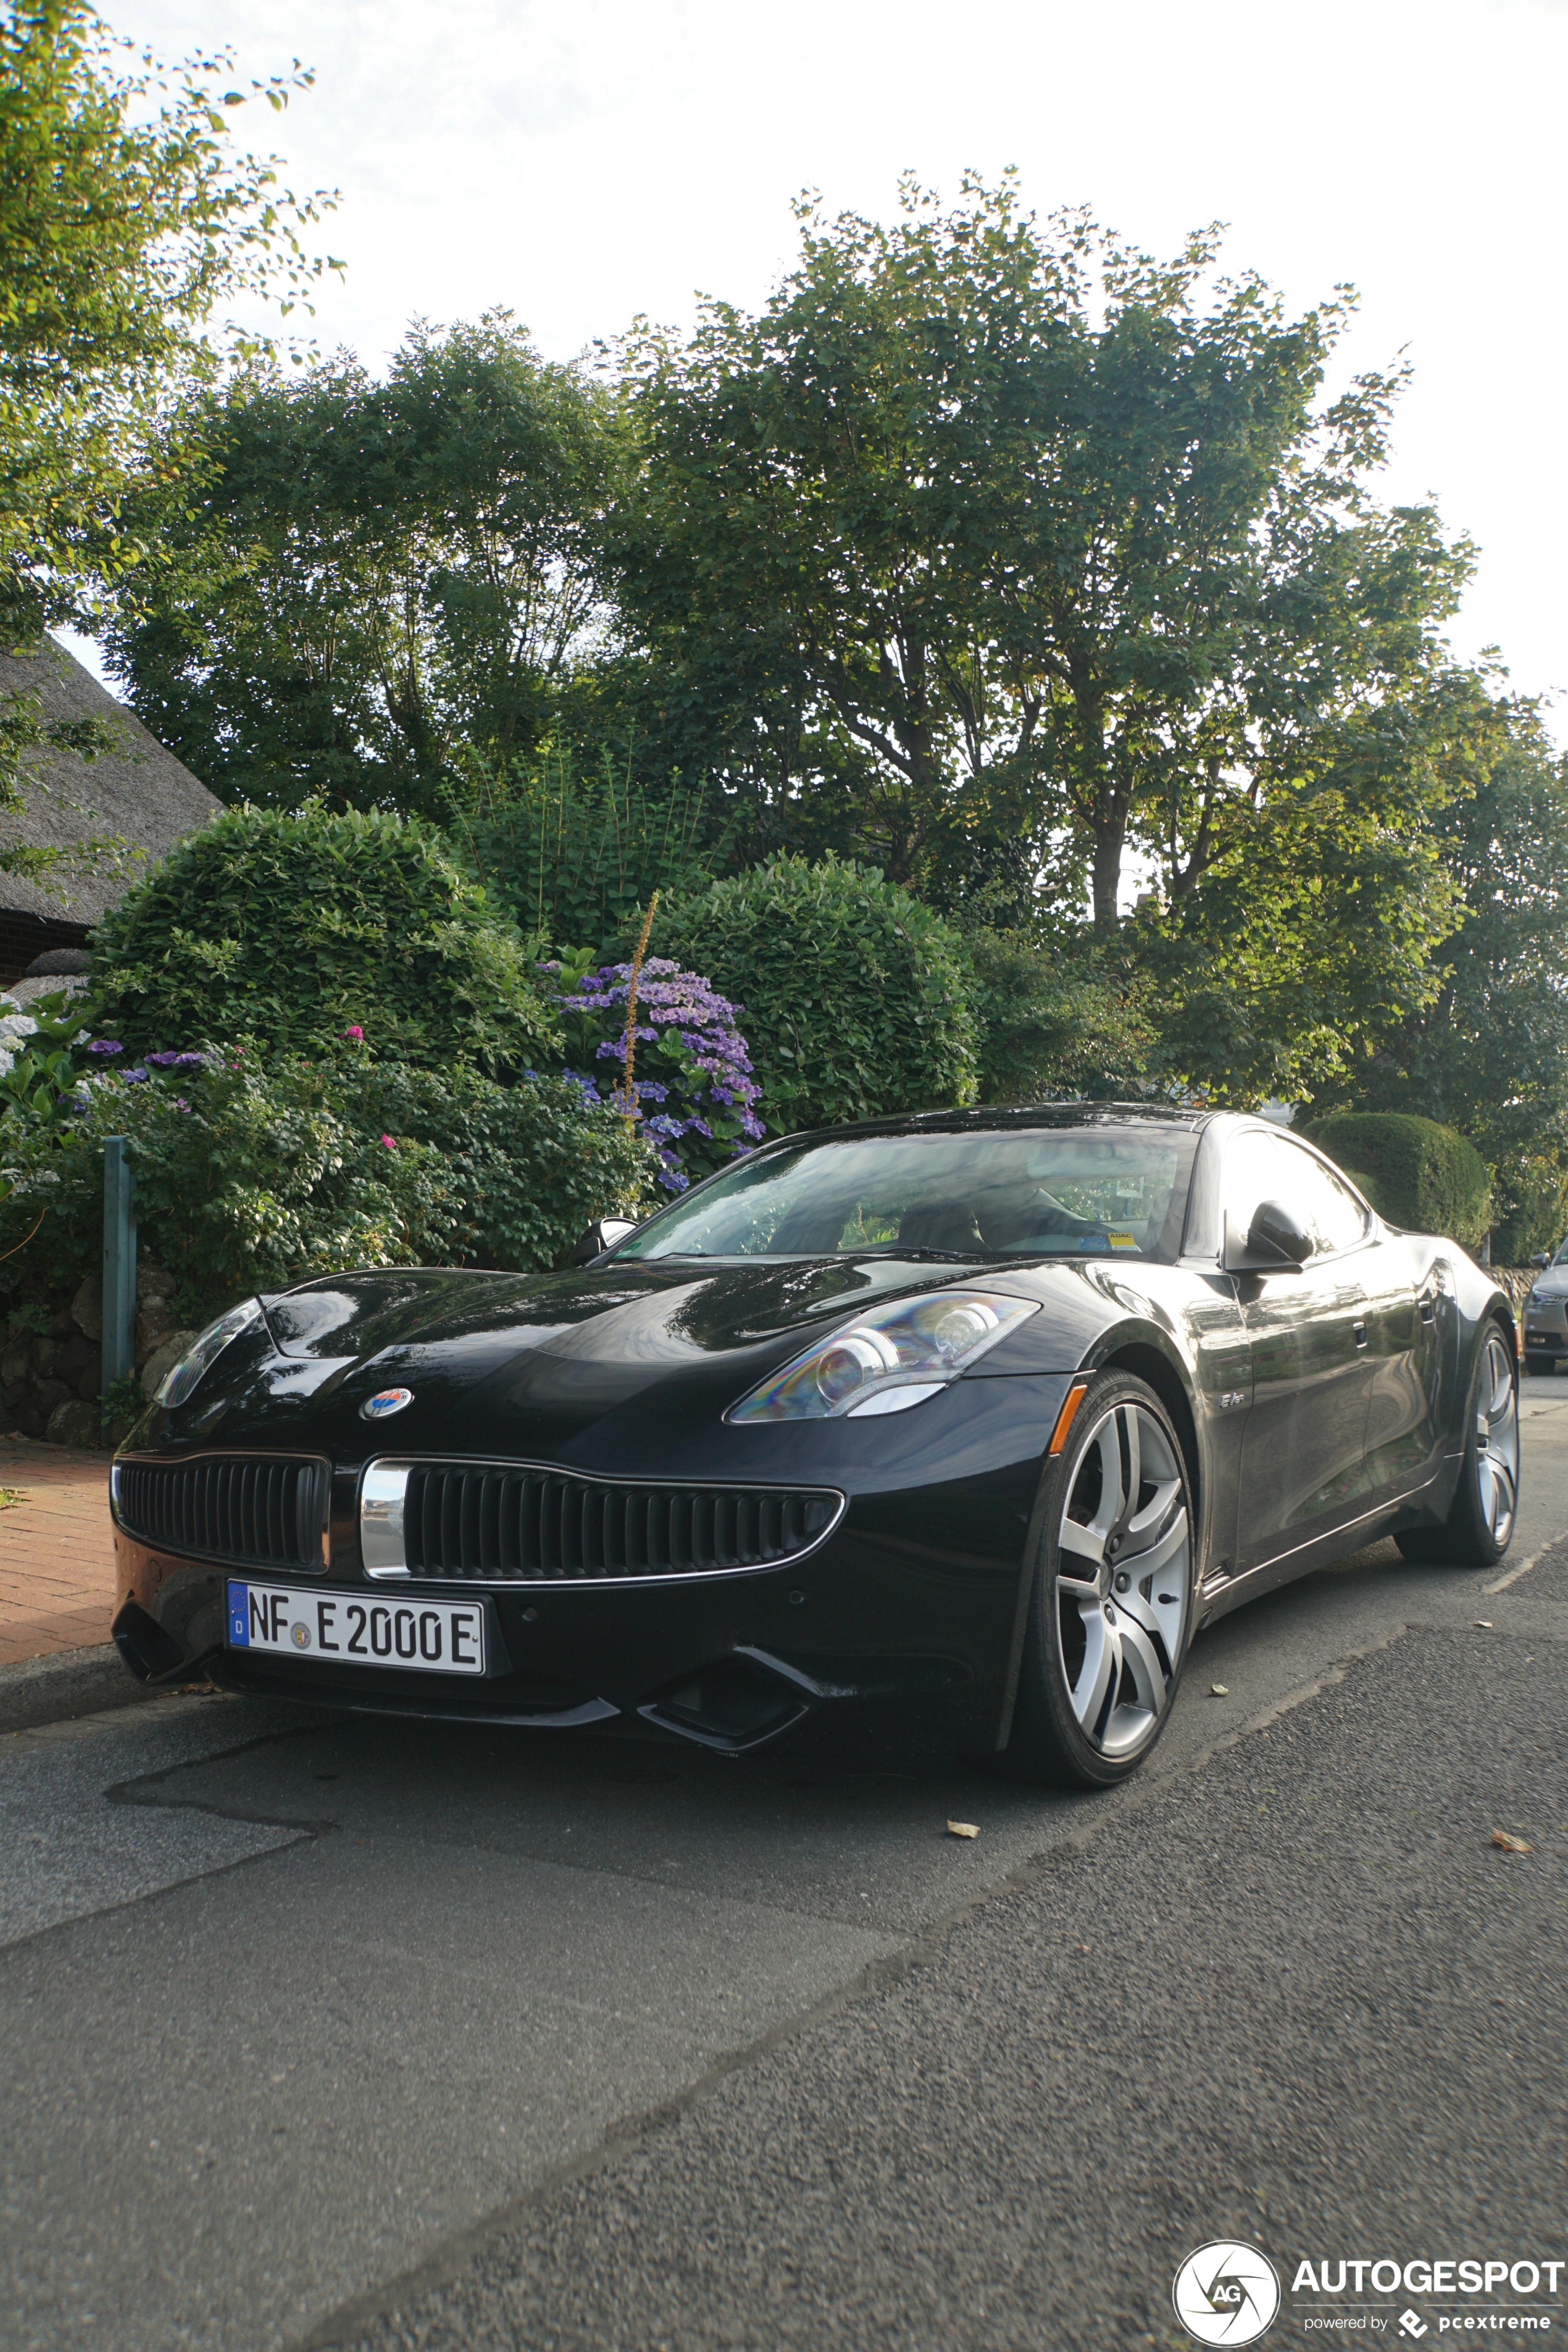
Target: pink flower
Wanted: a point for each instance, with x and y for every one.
(355, 1037)
(390, 1142)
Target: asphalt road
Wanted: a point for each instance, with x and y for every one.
(326, 2032)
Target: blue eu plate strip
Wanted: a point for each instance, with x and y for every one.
(239, 1616)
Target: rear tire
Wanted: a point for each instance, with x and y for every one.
(1111, 1610)
(1480, 1522)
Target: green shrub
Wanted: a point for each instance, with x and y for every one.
(574, 859)
(1414, 1173)
(253, 1172)
(527, 1168)
(855, 1001)
(289, 927)
(1052, 1020)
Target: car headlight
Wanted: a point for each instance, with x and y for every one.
(886, 1361)
(1536, 1298)
(180, 1379)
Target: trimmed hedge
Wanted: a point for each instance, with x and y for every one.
(856, 1000)
(289, 927)
(1414, 1173)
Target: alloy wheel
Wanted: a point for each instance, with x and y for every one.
(1497, 1440)
(1123, 1577)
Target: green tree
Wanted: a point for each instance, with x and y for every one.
(126, 220)
(375, 583)
(1317, 933)
(984, 533)
(1487, 1053)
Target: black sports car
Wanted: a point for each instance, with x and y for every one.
(963, 1422)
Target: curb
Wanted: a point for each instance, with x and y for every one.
(67, 1683)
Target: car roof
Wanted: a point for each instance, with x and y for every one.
(996, 1119)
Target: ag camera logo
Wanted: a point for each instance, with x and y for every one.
(1226, 2293)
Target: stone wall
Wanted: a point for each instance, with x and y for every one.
(51, 1383)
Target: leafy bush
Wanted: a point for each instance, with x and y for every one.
(857, 1000)
(1054, 1021)
(253, 1172)
(690, 1063)
(291, 927)
(574, 859)
(527, 1168)
(1414, 1173)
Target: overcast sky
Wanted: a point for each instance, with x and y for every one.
(580, 164)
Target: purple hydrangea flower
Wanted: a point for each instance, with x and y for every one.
(705, 1091)
(106, 1046)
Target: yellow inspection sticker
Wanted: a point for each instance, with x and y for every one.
(1123, 1241)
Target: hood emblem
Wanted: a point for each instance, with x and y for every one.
(384, 1402)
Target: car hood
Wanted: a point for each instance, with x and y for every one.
(644, 1319)
(604, 1367)
(1552, 1282)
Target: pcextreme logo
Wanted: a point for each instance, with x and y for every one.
(1226, 2293)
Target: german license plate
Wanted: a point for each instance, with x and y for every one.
(432, 1637)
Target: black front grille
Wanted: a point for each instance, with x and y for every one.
(257, 1508)
(467, 1521)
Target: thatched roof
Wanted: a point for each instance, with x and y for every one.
(144, 797)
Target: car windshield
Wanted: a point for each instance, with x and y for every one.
(1098, 1191)
(1561, 1256)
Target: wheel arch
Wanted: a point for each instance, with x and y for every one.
(1151, 1364)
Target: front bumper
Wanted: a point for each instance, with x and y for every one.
(906, 1614)
(1546, 1329)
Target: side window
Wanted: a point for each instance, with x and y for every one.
(1329, 1210)
(1260, 1167)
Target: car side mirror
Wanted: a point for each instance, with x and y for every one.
(602, 1235)
(1276, 1243)
(1541, 1259)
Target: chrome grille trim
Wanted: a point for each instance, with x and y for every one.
(522, 1523)
(256, 1510)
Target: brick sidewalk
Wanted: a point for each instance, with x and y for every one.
(57, 1550)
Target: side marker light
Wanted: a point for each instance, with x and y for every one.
(1069, 1414)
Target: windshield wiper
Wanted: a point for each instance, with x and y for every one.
(919, 1251)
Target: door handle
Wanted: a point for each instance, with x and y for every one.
(1360, 1330)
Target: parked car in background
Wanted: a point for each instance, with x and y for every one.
(965, 1423)
(1546, 1313)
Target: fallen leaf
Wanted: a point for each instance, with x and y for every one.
(1219, 1690)
(1509, 1844)
(1486, 1621)
(961, 1829)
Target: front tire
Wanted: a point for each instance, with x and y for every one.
(1110, 1613)
(1480, 1522)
